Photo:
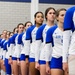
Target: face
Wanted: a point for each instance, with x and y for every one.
(39, 18)
(20, 28)
(8, 35)
(28, 25)
(51, 15)
(11, 34)
(4, 33)
(60, 18)
(16, 30)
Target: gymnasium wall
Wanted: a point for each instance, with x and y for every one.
(12, 13)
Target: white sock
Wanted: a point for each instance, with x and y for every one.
(4, 73)
(1, 72)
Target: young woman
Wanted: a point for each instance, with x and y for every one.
(15, 56)
(50, 15)
(69, 41)
(0, 52)
(12, 46)
(6, 49)
(22, 51)
(30, 42)
(55, 38)
(4, 37)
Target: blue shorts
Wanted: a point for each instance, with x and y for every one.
(8, 67)
(22, 57)
(56, 63)
(15, 58)
(31, 59)
(42, 62)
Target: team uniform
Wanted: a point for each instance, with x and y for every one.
(69, 39)
(40, 44)
(0, 48)
(17, 51)
(2, 42)
(30, 43)
(21, 51)
(2, 55)
(22, 57)
(54, 42)
(6, 53)
(12, 45)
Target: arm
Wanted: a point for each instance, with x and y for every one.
(27, 48)
(19, 45)
(38, 43)
(27, 42)
(48, 49)
(48, 45)
(48, 53)
(11, 49)
(37, 51)
(66, 44)
(4, 50)
(68, 28)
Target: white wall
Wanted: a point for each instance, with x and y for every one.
(12, 13)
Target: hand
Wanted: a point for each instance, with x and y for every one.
(48, 69)
(65, 66)
(2, 62)
(10, 61)
(27, 61)
(37, 66)
(18, 62)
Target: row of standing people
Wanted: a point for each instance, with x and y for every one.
(38, 50)
(7, 47)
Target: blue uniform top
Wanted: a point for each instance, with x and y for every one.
(49, 37)
(55, 37)
(11, 44)
(28, 33)
(69, 33)
(20, 39)
(13, 39)
(40, 42)
(69, 20)
(5, 45)
(2, 42)
(30, 41)
(40, 32)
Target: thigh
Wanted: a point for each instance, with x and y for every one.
(56, 72)
(23, 67)
(32, 69)
(43, 69)
(71, 64)
(16, 68)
